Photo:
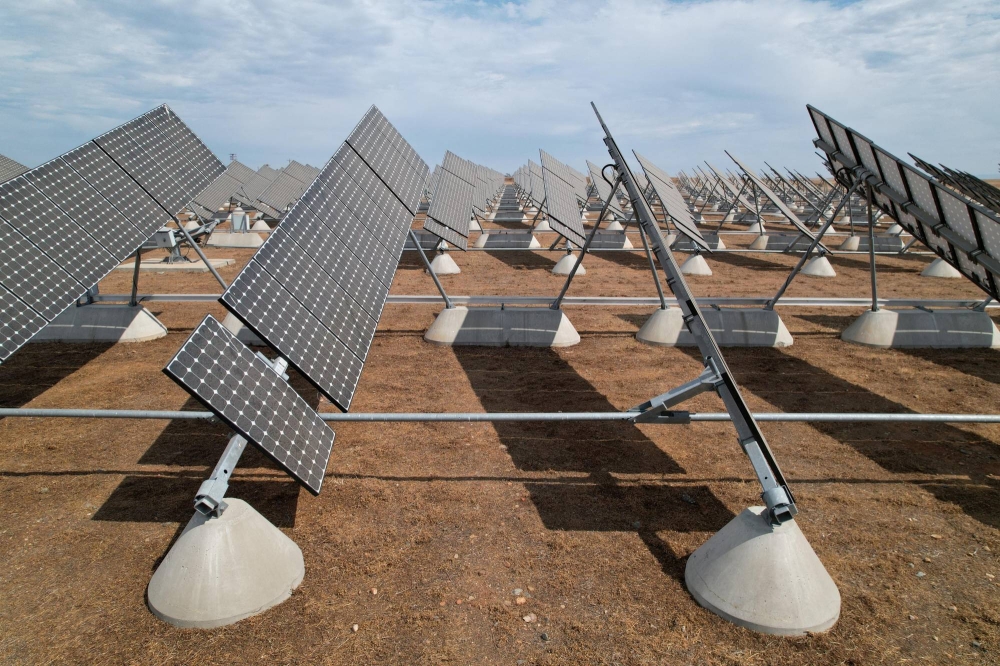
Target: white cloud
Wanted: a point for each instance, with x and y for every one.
(494, 82)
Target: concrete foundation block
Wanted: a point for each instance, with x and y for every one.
(819, 267)
(663, 328)
(103, 322)
(763, 577)
(851, 244)
(221, 570)
(614, 225)
(543, 225)
(939, 268)
(696, 265)
(894, 230)
(230, 239)
(196, 266)
(499, 327)
(443, 264)
(475, 226)
(759, 243)
(565, 265)
(923, 329)
(731, 327)
(756, 228)
(261, 225)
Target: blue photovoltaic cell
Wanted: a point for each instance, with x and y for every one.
(242, 390)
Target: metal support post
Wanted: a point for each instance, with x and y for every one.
(135, 278)
(437, 283)
(871, 246)
(200, 254)
(652, 268)
(210, 498)
(590, 237)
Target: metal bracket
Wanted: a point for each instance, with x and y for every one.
(656, 410)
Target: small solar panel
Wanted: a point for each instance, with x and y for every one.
(242, 390)
(10, 169)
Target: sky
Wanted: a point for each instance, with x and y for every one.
(679, 82)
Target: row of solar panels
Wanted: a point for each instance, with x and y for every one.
(460, 188)
(267, 190)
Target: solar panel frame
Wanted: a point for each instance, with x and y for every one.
(562, 208)
(130, 156)
(252, 399)
(210, 166)
(672, 202)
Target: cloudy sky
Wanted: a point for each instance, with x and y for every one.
(495, 81)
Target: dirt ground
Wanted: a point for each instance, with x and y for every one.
(592, 522)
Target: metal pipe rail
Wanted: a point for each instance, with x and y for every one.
(476, 417)
(610, 301)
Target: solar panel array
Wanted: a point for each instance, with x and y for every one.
(67, 223)
(316, 288)
(451, 205)
(562, 200)
(671, 201)
(246, 393)
(10, 169)
(972, 187)
(225, 187)
(959, 230)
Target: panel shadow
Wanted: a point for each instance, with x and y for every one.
(793, 385)
(37, 367)
(524, 260)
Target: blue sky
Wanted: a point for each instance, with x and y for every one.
(678, 81)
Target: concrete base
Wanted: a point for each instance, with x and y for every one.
(242, 333)
(819, 267)
(230, 239)
(484, 238)
(894, 230)
(197, 266)
(224, 569)
(474, 225)
(757, 228)
(670, 239)
(730, 215)
(851, 244)
(922, 329)
(261, 225)
(543, 225)
(696, 265)
(443, 264)
(614, 225)
(939, 268)
(192, 225)
(499, 327)
(731, 327)
(565, 265)
(103, 322)
(763, 577)
(759, 243)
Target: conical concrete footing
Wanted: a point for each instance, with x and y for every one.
(103, 322)
(756, 228)
(614, 225)
(763, 577)
(627, 244)
(663, 327)
(543, 225)
(923, 329)
(221, 570)
(851, 244)
(565, 265)
(819, 267)
(499, 327)
(670, 239)
(759, 243)
(939, 268)
(260, 225)
(481, 241)
(696, 265)
(192, 225)
(443, 264)
(894, 230)
(475, 226)
(720, 245)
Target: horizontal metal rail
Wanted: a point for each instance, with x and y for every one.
(616, 301)
(389, 417)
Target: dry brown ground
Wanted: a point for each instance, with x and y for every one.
(592, 521)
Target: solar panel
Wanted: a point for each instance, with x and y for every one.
(33, 277)
(18, 325)
(316, 288)
(193, 148)
(281, 193)
(451, 206)
(301, 172)
(59, 236)
(382, 148)
(242, 390)
(10, 169)
(964, 233)
(672, 202)
(146, 132)
(775, 199)
(561, 206)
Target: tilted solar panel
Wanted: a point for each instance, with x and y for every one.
(959, 230)
(10, 169)
(451, 204)
(603, 189)
(672, 202)
(561, 206)
(252, 399)
(315, 290)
